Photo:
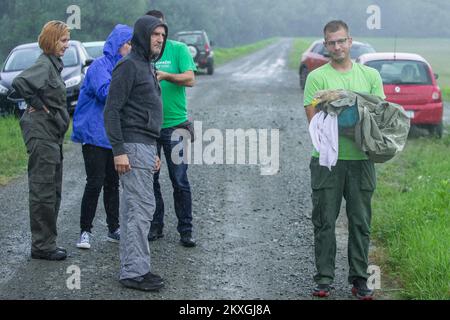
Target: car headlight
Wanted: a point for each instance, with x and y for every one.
(72, 82)
(3, 90)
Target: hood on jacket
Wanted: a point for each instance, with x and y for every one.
(143, 30)
(117, 38)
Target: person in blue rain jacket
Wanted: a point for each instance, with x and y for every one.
(89, 130)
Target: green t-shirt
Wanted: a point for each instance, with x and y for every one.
(361, 79)
(176, 59)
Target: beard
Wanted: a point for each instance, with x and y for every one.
(339, 58)
(155, 52)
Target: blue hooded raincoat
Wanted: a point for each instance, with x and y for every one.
(88, 121)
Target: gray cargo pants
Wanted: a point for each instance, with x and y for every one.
(137, 205)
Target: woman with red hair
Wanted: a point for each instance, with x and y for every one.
(44, 125)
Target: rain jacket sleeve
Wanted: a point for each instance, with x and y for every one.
(100, 83)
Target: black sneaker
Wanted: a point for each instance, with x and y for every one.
(152, 276)
(144, 283)
(322, 291)
(114, 236)
(187, 241)
(155, 235)
(56, 255)
(360, 289)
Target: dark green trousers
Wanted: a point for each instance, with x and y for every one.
(356, 182)
(45, 184)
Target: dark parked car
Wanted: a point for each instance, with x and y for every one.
(317, 55)
(200, 48)
(76, 60)
(409, 81)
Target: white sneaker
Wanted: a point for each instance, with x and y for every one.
(84, 243)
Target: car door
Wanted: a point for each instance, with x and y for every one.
(319, 56)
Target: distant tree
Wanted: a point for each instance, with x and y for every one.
(228, 22)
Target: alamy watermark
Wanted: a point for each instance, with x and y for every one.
(74, 280)
(374, 20)
(74, 19)
(230, 147)
(374, 280)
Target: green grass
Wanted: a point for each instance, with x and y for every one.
(14, 158)
(446, 93)
(412, 217)
(299, 46)
(224, 55)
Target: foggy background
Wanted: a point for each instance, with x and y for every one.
(228, 22)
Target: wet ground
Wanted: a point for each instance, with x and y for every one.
(254, 231)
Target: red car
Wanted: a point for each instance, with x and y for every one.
(409, 81)
(317, 55)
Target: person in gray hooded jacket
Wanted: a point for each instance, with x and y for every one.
(133, 118)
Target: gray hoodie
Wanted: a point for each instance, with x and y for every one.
(133, 111)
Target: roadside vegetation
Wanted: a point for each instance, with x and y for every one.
(411, 219)
(14, 158)
(224, 55)
(299, 46)
(446, 93)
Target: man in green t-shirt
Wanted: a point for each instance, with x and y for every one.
(353, 177)
(175, 71)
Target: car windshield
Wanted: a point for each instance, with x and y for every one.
(402, 71)
(95, 51)
(24, 58)
(357, 50)
(191, 38)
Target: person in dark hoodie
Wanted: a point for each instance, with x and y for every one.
(89, 130)
(133, 118)
(44, 125)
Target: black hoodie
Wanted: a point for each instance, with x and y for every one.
(133, 111)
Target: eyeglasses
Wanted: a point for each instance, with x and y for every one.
(333, 43)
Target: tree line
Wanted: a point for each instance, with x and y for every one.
(228, 22)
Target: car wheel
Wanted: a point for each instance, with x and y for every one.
(437, 130)
(303, 73)
(210, 68)
(193, 50)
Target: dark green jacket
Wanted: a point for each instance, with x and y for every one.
(42, 85)
(381, 128)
